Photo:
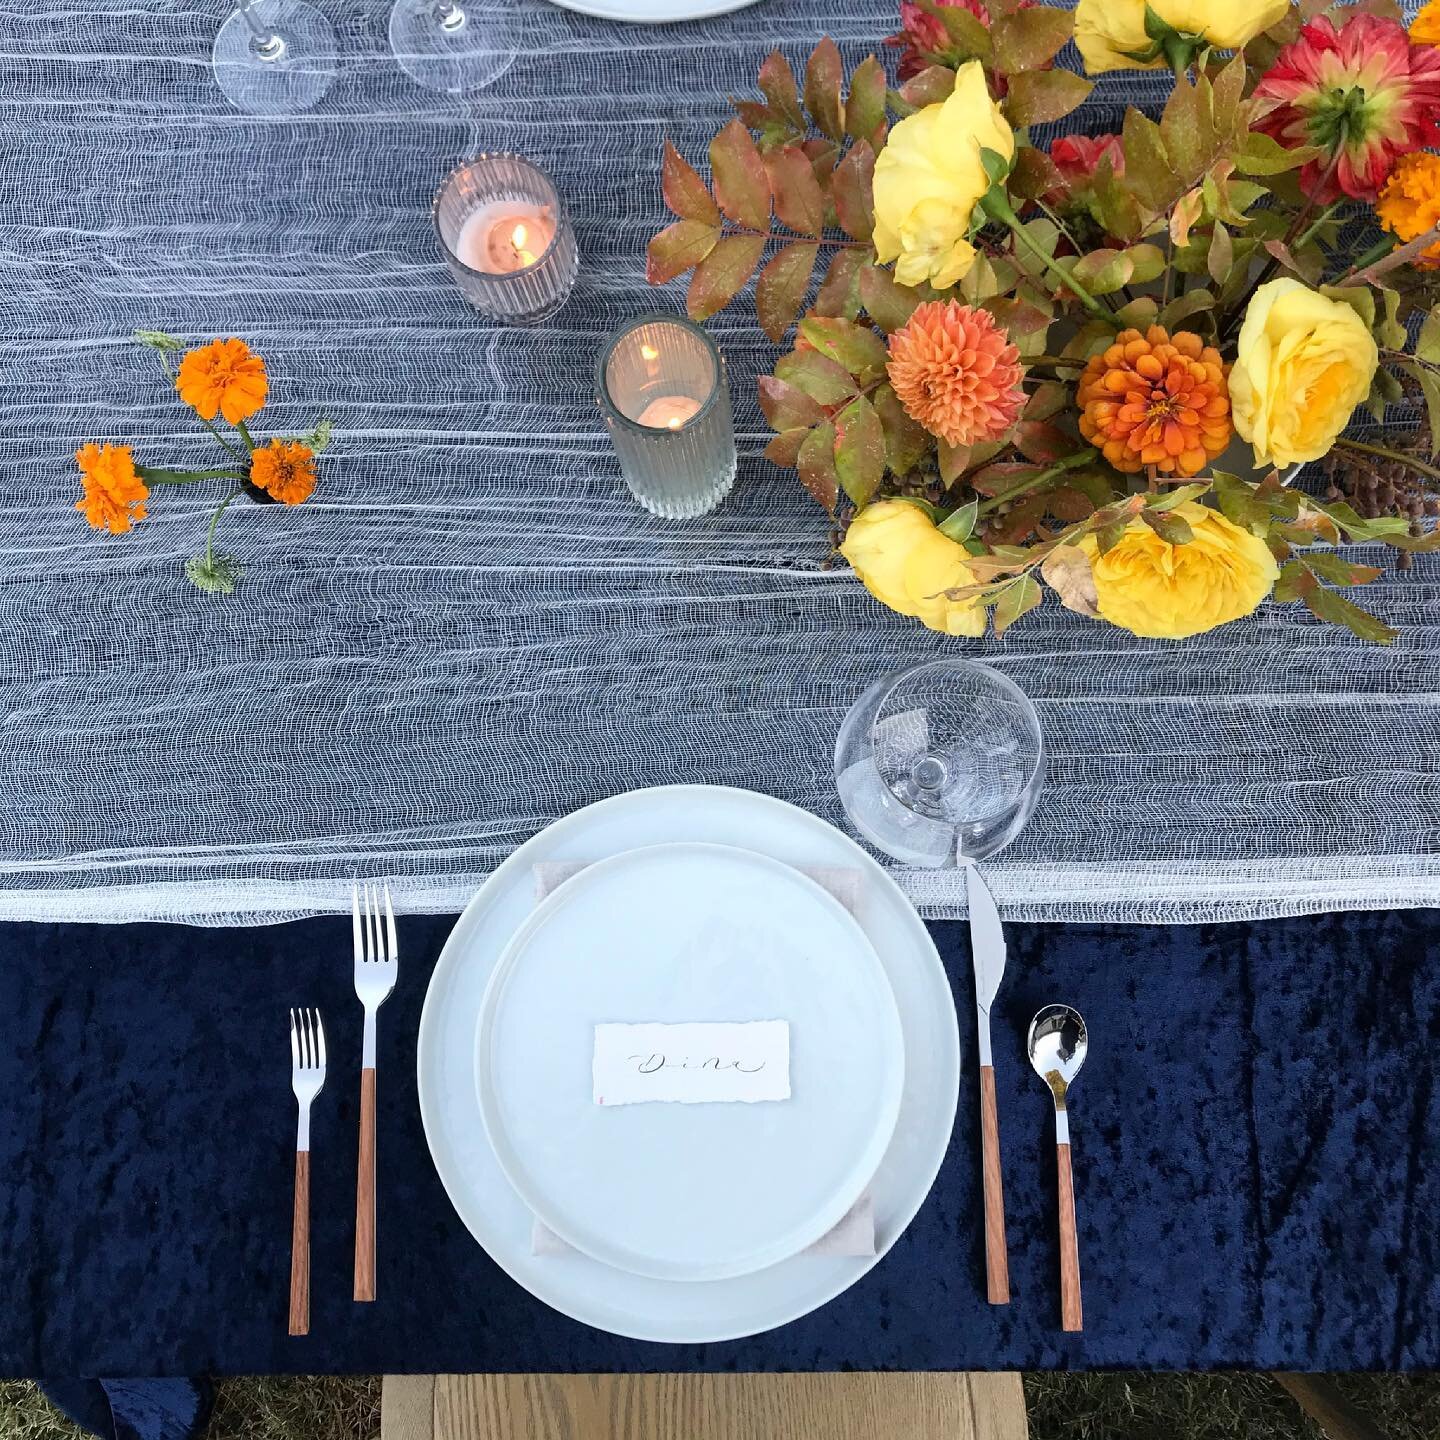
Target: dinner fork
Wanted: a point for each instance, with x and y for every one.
(376, 954)
(307, 1075)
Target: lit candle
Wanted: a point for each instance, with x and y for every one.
(502, 238)
(668, 412)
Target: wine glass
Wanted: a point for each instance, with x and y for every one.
(273, 57)
(445, 45)
(941, 764)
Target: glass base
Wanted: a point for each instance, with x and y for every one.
(669, 505)
(441, 46)
(292, 73)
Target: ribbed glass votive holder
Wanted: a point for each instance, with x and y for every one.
(660, 383)
(506, 238)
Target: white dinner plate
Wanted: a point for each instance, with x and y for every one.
(654, 12)
(601, 1295)
(673, 935)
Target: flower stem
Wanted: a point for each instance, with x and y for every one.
(185, 477)
(1365, 274)
(214, 521)
(1361, 448)
(997, 205)
(215, 431)
(244, 430)
(1313, 228)
(1034, 482)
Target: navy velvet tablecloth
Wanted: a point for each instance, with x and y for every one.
(1255, 1136)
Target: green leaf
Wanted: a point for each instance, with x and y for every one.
(888, 303)
(215, 574)
(1293, 581)
(1339, 571)
(816, 464)
(859, 450)
(857, 347)
(1178, 496)
(1168, 527)
(930, 87)
(960, 524)
(1239, 503)
(968, 35)
(1041, 442)
(1427, 343)
(1033, 174)
(787, 407)
(722, 274)
(1038, 95)
(1192, 302)
(799, 202)
(1030, 39)
(1262, 155)
(777, 84)
(852, 190)
(318, 440)
(784, 449)
(1360, 298)
(742, 187)
(818, 376)
(1021, 596)
(1390, 332)
(907, 442)
(1335, 608)
(1139, 314)
(678, 248)
(167, 344)
(1220, 257)
(822, 89)
(839, 292)
(865, 109)
(685, 192)
(1429, 383)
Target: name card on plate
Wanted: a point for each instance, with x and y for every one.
(692, 1064)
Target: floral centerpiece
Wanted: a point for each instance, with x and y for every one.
(1121, 367)
(225, 381)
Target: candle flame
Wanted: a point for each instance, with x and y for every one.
(674, 422)
(649, 352)
(518, 236)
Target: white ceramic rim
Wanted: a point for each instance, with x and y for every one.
(863, 1168)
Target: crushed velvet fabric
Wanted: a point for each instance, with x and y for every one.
(1255, 1141)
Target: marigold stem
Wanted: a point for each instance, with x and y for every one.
(214, 521)
(185, 477)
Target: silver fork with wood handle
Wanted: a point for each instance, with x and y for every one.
(987, 953)
(376, 956)
(307, 1076)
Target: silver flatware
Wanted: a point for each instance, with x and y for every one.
(1058, 1042)
(376, 963)
(987, 953)
(307, 1077)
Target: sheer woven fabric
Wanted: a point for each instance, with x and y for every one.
(472, 629)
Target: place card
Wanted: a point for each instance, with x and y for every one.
(703, 1062)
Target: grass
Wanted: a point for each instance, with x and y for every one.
(1062, 1407)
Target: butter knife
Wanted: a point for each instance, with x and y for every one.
(987, 950)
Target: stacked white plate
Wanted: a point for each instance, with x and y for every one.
(686, 1222)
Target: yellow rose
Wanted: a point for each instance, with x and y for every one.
(929, 179)
(1110, 32)
(1302, 364)
(1165, 592)
(907, 564)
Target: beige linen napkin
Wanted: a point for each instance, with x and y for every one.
(854, 1235)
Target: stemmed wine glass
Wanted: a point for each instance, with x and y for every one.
(450, 46)
(273, 57)
(940, 765)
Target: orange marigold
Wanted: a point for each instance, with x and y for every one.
(114, 494)
(956, 372)
(223, 378)
(286, 469)
(1425, 27)
(1159, 400)
(1409, 202)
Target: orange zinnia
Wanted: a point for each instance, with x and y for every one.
(223, 378)
(1159, 400)
(286, 469)
(114, 494)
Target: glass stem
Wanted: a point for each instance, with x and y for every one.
(268, 45)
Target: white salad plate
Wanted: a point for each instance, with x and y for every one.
(654, 12)
(674, 935)
(586, 1289)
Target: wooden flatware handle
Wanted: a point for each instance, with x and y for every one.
(1071, 1317)
(365, 1192)
(997, 1265)
(300, 1248)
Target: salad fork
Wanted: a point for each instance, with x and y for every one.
(307, 1076)
(376, 956)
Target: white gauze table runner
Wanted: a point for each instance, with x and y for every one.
(471, 629)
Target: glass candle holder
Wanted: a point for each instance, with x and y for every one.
(506, 238)
(660, 383)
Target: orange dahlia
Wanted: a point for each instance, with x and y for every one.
(223, 378)
(1409, 205)
(285, 469)
(114, 494)
(1156, 400)
(956, 372)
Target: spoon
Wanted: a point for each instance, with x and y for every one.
(1057, 1044)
